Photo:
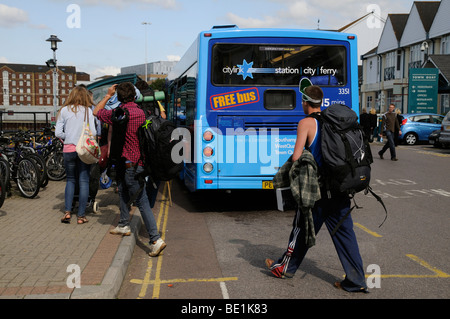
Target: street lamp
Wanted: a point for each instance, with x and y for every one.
(53, 65)
(145, 24)
(424, 48)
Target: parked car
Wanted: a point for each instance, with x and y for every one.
(433, 138)
(418, 126)
(444, 136)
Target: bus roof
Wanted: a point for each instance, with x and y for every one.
(235, 31)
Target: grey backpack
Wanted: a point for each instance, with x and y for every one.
(346, 152)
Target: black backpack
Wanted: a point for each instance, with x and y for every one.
(346, 153)
(115, 165)
(156, 142)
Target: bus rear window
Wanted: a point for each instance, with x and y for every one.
(235, 64)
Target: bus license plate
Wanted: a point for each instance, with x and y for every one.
(267, 185)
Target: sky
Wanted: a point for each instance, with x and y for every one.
(101, 36)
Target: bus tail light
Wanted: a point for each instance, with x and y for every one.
(208, 167)
(208, 181)
(208, 151)
(208, 136)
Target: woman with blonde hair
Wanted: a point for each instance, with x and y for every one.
(69, 127)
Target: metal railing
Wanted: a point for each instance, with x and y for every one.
(31, 119)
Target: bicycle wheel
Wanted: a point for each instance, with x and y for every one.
(42, 168)
(55, 166)
(2, 190)
(5, 172)
(28, 178)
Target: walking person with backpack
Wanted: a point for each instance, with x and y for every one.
(331, 208)
(130, 164)
(389, 126)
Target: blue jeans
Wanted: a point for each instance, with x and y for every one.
(128, 187)
(77, 175)
(330, 212)
(390, 144)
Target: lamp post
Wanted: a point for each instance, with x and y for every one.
(145, 24)
(53, 65)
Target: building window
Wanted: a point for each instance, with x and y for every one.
(415, 57)
(369, 102)
(445, 45)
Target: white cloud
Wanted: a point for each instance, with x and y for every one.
(102, 71)
(3, 59)
(11, 17)
(167, 4)
(332, 14)
(267, 22)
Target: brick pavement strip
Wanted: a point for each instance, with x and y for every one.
(36, 248)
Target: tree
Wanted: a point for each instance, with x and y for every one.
(158, 85)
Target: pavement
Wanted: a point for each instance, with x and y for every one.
(42, 258)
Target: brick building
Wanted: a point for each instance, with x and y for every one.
(32, 85)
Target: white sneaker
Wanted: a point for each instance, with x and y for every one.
(157, 247)
(121, 230)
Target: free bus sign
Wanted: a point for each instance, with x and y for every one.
(423, 90)
(233, 99)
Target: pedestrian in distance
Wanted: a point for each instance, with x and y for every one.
(128, 182)
(373, 123)
(364, 120)
(69, 127)
(327, 209)
(389, 126)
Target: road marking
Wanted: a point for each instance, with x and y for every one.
(374, 234)
(223, 287)
(157, 282)
(437, 273)
(434, 154)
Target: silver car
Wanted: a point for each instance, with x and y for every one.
(444, 137)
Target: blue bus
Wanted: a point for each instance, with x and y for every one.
(236, 91)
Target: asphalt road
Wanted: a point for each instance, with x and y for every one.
(217, 242)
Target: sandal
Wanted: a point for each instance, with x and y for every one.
(66, 218)
(82, 220)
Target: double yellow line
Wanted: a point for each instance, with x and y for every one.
(157, 282)
(162, 218)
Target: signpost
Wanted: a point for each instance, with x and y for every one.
(423, 90)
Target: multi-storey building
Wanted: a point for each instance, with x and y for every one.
(32, 85)
(419, 39)
(155, 70)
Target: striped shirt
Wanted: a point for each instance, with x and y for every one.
(131, 151)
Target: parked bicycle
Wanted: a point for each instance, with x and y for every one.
(51, 149)
(14, 165)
